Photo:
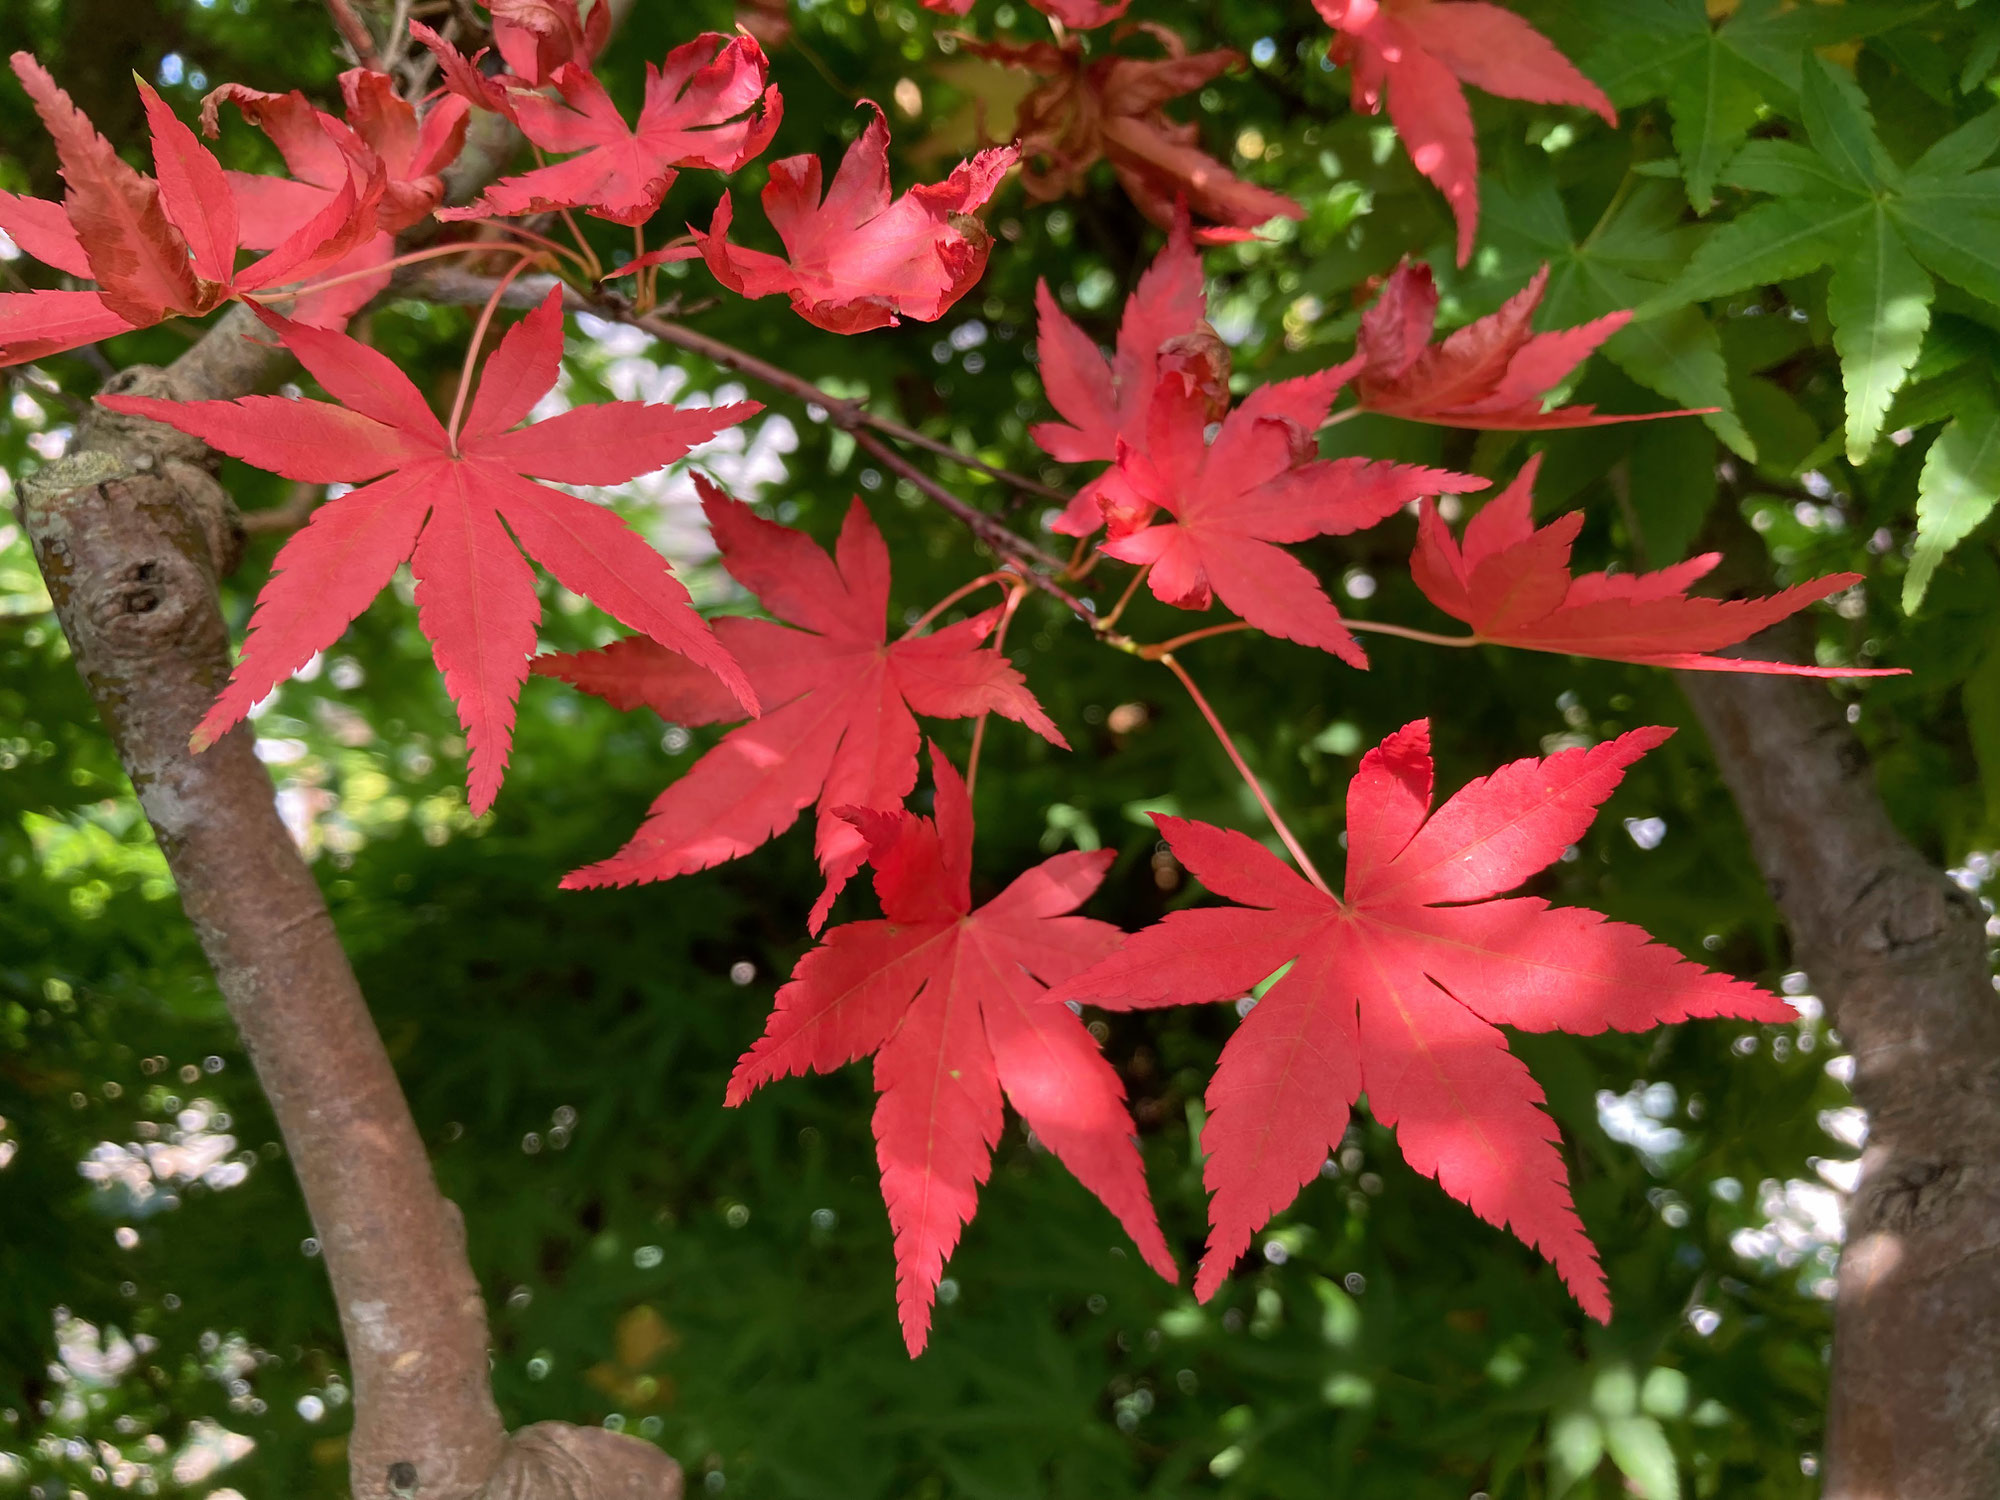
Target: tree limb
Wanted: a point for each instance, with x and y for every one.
(297, 509)
(354, 31)
(125, 533)
(1899, 953)
(132, 533)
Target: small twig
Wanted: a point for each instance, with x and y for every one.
(985, 527)
(930, 616)
(414, 257)
(1014, 597)
(399, 37)
(1118, 609)
(1166, 648)
(76, 406)
(1249, 778)
(296, 510)
(354, 31)
(847, 415)
(1404, 632)
(917, 439)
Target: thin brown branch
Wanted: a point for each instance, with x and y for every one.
(1250, 780)
(989, 529)
(460, 288)
(456, 286)
(354, 31)
(915, 439)
(846, 414)
(294, 512)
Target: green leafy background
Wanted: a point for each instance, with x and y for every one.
(1799, 204)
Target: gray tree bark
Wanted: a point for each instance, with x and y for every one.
(1899, 954)
(132, 533)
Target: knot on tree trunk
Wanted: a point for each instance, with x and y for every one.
(111, 446)
(1908, 905)
(555, 1461)
(130, 537)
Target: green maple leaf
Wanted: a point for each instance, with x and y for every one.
(1886, 231)
(1719, 82)
(1955, 491)
(1630, 256)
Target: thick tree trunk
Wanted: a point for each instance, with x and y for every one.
(131, 533)
(1899, 954)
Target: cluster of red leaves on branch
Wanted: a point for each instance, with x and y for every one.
(1395, 988)
(1108, 107)
(708, 106)
(165, 246)
(414, 153)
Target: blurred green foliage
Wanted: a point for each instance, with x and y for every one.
(720, 1280)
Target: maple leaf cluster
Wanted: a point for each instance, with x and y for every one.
(1109, 107)
(455, 501)
(1396, 987)
(164, 246)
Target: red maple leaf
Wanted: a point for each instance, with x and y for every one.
(1105, 402)
(838, 696)
(707, 106)
(1417, 51)
(446, 502)
(317, 150)
(860, 259)
(1079, 14)
(1512, 584)
(1259, 483)
(536, 37)
(157, 247)
(1491, 374)
(949, 999)
(1400, 989)
(1110, 108)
